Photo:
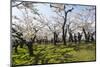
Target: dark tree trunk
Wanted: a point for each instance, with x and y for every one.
(70, 37)
(75, 38)
(63, 27)
(55, 38)
(85, 34)
(22, 42)
(21, 45)
(88, 37)
(92, 38)
(16, 51)
(79, 37)
(63, 30)
(30, 48)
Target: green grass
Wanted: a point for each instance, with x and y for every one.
(45, 54)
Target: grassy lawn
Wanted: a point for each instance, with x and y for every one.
(45, 54)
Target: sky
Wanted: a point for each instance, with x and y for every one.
(45, 9)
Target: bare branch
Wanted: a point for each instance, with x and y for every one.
(17, 4)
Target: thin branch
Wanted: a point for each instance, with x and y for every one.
(17, 4)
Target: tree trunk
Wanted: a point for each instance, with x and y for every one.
(63, 30)
(16, 51)
(55, 38)
(30, 48)
(85, 34)
(21, 45)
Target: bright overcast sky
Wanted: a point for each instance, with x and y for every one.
(45, 9)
